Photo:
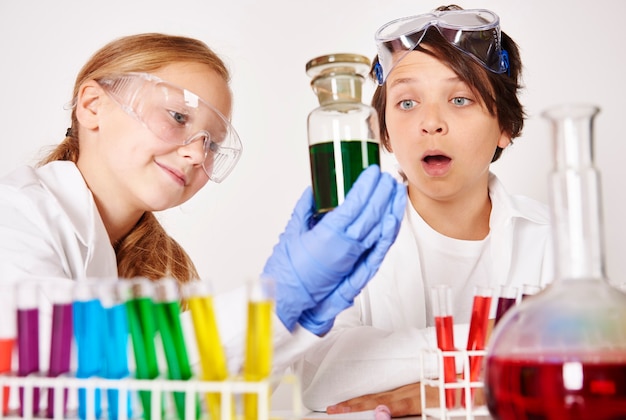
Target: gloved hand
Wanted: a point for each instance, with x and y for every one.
(309, 264)
(320, 319)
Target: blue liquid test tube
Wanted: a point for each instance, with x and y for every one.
(88, 327)
(115, 345)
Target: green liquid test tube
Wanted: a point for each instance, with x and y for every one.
(168, 320)
(143, 328)
(212, 355)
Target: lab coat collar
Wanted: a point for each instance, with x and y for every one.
(66, 184)
(506, 210)
(506, 207)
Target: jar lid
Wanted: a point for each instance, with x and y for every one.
(338, 63)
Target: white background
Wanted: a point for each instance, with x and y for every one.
(572, 50)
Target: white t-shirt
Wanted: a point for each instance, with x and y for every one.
(460, 264)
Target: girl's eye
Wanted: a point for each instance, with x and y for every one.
(406, 104)
(178, 117)
(460, 101)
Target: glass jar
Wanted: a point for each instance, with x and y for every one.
(342, 132)
(562, 353)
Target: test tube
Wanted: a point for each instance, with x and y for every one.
(60, 293)
(88, 333)
(115, 347)
(167, 308)
(199, 295)
(8, 334)
(444, 326)
(258, 355)
(529, 290)
(27, 299)
(138, 294)
(506, 300)
(479, 325)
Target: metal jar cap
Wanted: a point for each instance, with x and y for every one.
(337, 64)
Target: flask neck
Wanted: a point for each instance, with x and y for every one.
(337, 88)
(576, 195)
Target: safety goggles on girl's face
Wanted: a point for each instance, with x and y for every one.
(475, 32)
(178, 116)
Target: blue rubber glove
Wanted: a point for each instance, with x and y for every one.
(308, 264)
(320, 319)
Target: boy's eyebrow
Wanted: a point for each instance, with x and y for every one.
(411, 80)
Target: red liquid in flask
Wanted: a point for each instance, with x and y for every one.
(529, 389)
(445, 342)
(562, 354)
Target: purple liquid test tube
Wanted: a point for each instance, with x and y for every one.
(60, 292)
(529, 290)
(506, 300)
(27, 297)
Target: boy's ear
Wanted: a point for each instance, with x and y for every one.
(505, 140)
(88, 102)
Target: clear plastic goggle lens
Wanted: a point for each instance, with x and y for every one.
(178, 116)
(476, 32)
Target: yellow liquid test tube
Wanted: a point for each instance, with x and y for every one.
(258, 357)
(212, 356)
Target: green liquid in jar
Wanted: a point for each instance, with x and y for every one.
(327, 171)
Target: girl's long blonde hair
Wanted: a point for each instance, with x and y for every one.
(147, 250)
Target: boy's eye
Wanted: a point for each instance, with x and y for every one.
(407, 104)
(460, 101)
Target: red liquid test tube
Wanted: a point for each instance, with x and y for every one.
(444, 326)
(477, 338)
(8, 334)
(506, 300)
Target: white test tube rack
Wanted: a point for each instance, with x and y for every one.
(469, 412)
(229, 390)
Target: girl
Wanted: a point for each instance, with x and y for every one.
(150, 126)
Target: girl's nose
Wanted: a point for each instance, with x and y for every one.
(194, 150)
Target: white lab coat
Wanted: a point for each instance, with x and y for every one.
(50, 228)
(374, 345)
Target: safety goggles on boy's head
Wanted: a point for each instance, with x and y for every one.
(476, 32)
(178, 116)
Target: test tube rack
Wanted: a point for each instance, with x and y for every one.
(441, 411)
(161, 389)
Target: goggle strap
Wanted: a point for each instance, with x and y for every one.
(378, 73)
(504, 62)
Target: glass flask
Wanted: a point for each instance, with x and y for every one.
(342, 132)
(562, 354)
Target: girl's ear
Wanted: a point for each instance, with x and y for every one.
(88, 103)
